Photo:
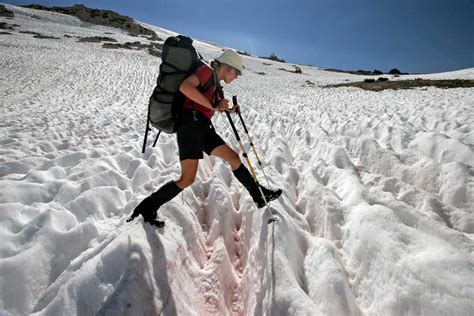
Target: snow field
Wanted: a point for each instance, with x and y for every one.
(376, 216)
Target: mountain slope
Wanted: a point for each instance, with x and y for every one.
(375, 217)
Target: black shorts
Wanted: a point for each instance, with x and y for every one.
(195, 135)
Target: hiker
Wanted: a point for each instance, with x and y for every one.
(196, 134)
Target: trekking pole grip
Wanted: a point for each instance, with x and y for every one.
(234, 101)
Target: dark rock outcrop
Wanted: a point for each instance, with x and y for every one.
(96, 39)
(153, 49)
(274, 58)
(45, 36)
(298, 70)
(372, 85)
(101, 17)
(243, 53)
(364, 72)
(5, 13)
(6, 26)
(395, 71)
(38, 35)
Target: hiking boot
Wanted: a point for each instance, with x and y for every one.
(150, 217)
(149, 206)
(243, 175)
(155, 222)
(270, 195)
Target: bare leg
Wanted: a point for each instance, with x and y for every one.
(188, 173)
(229, 155)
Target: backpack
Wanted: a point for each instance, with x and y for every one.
(179, 60)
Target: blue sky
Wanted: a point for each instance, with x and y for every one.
(416, 36)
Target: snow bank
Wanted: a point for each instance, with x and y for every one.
(376, 215)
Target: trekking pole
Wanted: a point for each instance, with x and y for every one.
(146, 136)
(220, 92)
(156, 139)
(246, 156)
(146, 131)
(234, 101)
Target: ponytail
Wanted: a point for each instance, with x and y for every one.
(215, 64)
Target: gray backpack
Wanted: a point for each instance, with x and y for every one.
(179, 60)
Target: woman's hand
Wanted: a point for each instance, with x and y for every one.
(223, 105)
(235, 108)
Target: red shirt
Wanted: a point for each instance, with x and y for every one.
(203, 73)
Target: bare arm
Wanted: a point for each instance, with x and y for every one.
(189, 88)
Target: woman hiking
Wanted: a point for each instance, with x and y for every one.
(196, 135)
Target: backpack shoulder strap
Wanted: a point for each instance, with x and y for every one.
(218, 95)
(209, 83)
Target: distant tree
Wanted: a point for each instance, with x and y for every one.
(243, 53)
(395, 71)
(274, 58)
(298, 70)
(377, 72)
